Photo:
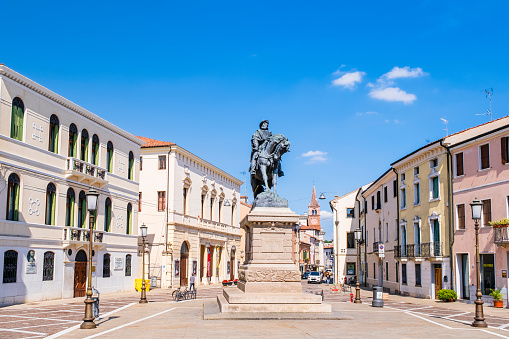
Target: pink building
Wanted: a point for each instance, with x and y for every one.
(480, 169)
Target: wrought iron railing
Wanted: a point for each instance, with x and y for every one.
(431, 249)
(410, 250)
(501, 235)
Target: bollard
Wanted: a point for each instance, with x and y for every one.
(377, 297)
(351, 297)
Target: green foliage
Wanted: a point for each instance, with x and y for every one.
(501, 222)
(447, 295)
(495, 294)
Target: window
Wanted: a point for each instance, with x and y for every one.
(374, 271)
(350, 212)
(350, 240)
(433, 163)
(50, 204)
(17, 115)
(403, 274)
(378, 200)
(220, 209)
(435, 188)
(130, 172)
(387, 270)
(184, 199)
(350, 268)
(504, 150)
(84, 145)
(53, 133)
(73, 138)
(13, 197)
(107, 215)
(69, 207)
(10, 266)
(129, 220)
(416, 170)
(417, 194)
(109, 157)
(395, 188)
(161, 200)
(484, 156)
(397, 272)
(372, 202)
(48, 266)
(486, 212)
(82, 209)
(106, 266)
(162, 162)
(487, 268)
(460, 209)
(128, 264)
(459, 164)
(417, 274)
(403, 176)
(139, 202)
(365, 206)
(211, 207)
(385, 194)
(233, 214)
(403, 198)
(202, 205)
(141, 163)
(95, 150)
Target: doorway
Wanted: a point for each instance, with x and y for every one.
(487, 273)
(80, 274)
(464, 276)
(184, 256)
(232, 264)
(438, 278)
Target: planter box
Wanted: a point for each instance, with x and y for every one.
(498, 303)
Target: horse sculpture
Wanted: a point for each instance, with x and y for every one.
(268, 164)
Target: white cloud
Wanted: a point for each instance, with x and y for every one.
(366, 113)
(392, 94)
(405, 72)
(349, 80)
(326, 215)
(315, 156)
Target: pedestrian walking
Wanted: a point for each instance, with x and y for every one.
(192, 288)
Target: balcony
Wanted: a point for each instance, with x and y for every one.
(410, 250)
(375, 247)
(82, 171)
(80, 235)
(501, 236)
(432, 250)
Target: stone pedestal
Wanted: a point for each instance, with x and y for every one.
(269, 280)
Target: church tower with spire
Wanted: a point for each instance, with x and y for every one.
(314, 212)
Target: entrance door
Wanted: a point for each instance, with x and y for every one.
(465, 288)
(232, 265)
(80, 274)
(438, 278)
(184, 256)
(487, 273)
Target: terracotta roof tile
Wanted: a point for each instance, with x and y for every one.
(154, 143)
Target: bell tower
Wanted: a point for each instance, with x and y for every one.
(314, 212)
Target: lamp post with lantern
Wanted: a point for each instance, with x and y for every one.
(143, 233)
(358, 238)
(476, 206)
(88, 320)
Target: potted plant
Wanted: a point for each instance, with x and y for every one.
(334, 288)
(497, 298)
(236, 281)
(230, 282)
(225, 282)
(500, 223)
(447, 295)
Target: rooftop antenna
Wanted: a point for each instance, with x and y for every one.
(489, 93)
(445, 129)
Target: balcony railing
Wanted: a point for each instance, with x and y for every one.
(431, 250)
(85, 171)
(76, 234)
(501, 235)
(375, 247)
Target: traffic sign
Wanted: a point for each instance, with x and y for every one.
(381, 250)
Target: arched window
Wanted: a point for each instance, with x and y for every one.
(82, 209)
(13, 197)
(95, 150)
(50, 203)
(129, 221)
(107, 215)
(54, 126)
(73, 138)
(48, 266)
(130, 173)
(84, 145)
(69, 207)
(18, 113)
(128, 265)
(10, 266)
(109, 157)
(106, 266)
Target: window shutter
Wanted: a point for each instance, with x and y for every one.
(503, 143)
(16, 202)
(71, 214)
(485, 156)
(56, 139)
(459, 164)
(461, 216)
(486, 212)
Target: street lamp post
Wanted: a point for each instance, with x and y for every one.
(143, 298)
(476, 206)
(88, 321)
(358, 237)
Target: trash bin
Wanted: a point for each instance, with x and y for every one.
(95, 305)
(377, 297)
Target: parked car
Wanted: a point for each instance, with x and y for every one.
(305, 275)
(314, 277)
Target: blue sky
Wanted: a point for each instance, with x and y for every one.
(353, 85)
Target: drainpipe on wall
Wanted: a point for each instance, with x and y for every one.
(397, 209)
(450, 211)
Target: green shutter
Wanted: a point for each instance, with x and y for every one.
(83, 213)
(71, 217)
(53, 203)
(107, 220)
(110, 162)
(17, 123)
(16, 202)
(74, 144)
(435, 187)
(131, 169)
(55, 147)
(86, 150)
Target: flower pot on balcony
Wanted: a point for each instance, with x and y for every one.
(225, 282)
(498, 303)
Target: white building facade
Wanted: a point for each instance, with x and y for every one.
(192, 210)
(52, 153)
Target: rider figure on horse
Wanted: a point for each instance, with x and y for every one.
(259, 138)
